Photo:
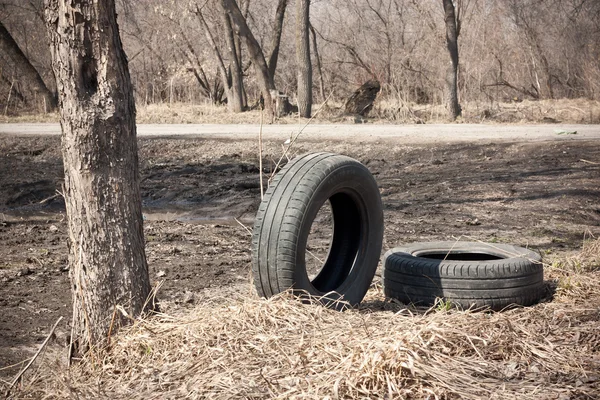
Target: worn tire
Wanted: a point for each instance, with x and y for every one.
(284, 219)
(468, 274)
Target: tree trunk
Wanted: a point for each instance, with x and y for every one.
(219, 60)
(236, 102)
(315, 48)
(32, 78)
(452, 32)
(108, 268)
(303, 58)
(256, 55)
(276, 41)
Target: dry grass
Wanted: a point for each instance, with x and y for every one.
(181, 113)
(236, 346)
(587, 260)
(29, 117)
(568, 111)
(385, 111)
(575, 111)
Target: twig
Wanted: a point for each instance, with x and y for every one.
(71, 342)
(152, 297)
(589, 162)
(10, 367)
(260, 163)
(110, 328)
(294, 138)
(47, 199)
(315, 257)
(243, 226)
(20, 374)
(8, 100)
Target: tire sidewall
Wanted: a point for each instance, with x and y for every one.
(353, 179)
(514, 278)
(508, 253)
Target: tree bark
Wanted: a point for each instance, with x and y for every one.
(303, 62)
(9, 47)
(452, 32)
(108, 267)
(237, 84)
(256, 55)
(276, 40)
(315, 48)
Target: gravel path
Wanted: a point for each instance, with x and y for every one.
(358, 133)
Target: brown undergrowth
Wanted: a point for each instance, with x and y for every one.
(236, 346)
(385, 111)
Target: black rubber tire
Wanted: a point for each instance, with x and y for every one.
(468, 274)
(284, 219)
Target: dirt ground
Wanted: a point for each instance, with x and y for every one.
(199, 193)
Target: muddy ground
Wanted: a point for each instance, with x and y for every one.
(198, 194)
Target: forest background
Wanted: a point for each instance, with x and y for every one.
(517, 58)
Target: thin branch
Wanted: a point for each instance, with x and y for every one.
(20, 374)
(260, 163)
(243, 226)
(293, 139)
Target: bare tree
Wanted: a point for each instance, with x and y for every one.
(315, 48)
(303, 62)
(211, 89)
(108, 267)
(276, 39)
(452, 21)
(231, 76)
(525, 16)
(241, 28)
(10, 48)
(236, 82)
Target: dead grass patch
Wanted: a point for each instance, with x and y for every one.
(385, 111)
(183, 113)
(236, 346)
(566, 111)
(589, 258)
(29, 117)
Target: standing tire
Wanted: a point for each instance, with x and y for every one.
(284, 220)
(466, 274)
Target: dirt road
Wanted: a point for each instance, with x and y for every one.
(357, 132)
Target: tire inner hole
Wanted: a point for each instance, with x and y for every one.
(460, 256)
(319, 241)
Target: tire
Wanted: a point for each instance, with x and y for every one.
(467, 274)
(284, 220)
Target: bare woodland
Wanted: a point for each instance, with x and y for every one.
(243, 53)
(284, 57)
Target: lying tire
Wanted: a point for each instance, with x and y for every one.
(465, 273)
(285, 217)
